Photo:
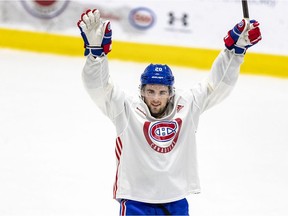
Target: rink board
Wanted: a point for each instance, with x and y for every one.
(255, 63)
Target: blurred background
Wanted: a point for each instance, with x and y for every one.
(55, 157)
(166, 32)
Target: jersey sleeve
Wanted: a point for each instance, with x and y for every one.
(220, 81)
(96, 78)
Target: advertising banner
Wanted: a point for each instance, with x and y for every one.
(200, 24)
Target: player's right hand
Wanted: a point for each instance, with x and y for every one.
(244, 35)
(96, 33)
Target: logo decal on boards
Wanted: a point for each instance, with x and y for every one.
(45, 9)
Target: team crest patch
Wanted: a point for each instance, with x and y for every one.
(162, 136)
(45, 9)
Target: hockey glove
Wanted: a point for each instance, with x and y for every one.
(243, 36)
(96, 33)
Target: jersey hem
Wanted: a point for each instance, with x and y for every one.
(120, 197)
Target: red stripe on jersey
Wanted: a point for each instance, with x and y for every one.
(123, 208)
(118, 148)
(118, 152)
(120, 142)
(115, 187)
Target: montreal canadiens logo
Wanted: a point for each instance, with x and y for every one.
(162, 136)
(45, 9)
(163, 131)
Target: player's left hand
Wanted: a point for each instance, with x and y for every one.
(244, 35)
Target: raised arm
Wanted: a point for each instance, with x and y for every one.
(226, 67)
(96, 34)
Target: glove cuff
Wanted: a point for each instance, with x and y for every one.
(237, 49)
(94, 50)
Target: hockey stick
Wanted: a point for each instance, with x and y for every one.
(245, 9)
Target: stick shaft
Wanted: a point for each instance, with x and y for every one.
(245, 9)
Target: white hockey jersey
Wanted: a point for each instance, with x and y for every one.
(156, 158)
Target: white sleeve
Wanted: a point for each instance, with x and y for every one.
(107, 96)
(220, 81)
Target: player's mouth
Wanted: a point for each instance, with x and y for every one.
(155, 105)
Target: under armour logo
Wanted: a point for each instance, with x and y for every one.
(173, 19)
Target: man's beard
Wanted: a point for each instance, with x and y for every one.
(160, 113)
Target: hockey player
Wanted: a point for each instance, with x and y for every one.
(155, 143)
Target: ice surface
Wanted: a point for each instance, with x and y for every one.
(57, 149)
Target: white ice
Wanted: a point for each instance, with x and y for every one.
(57, 149)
